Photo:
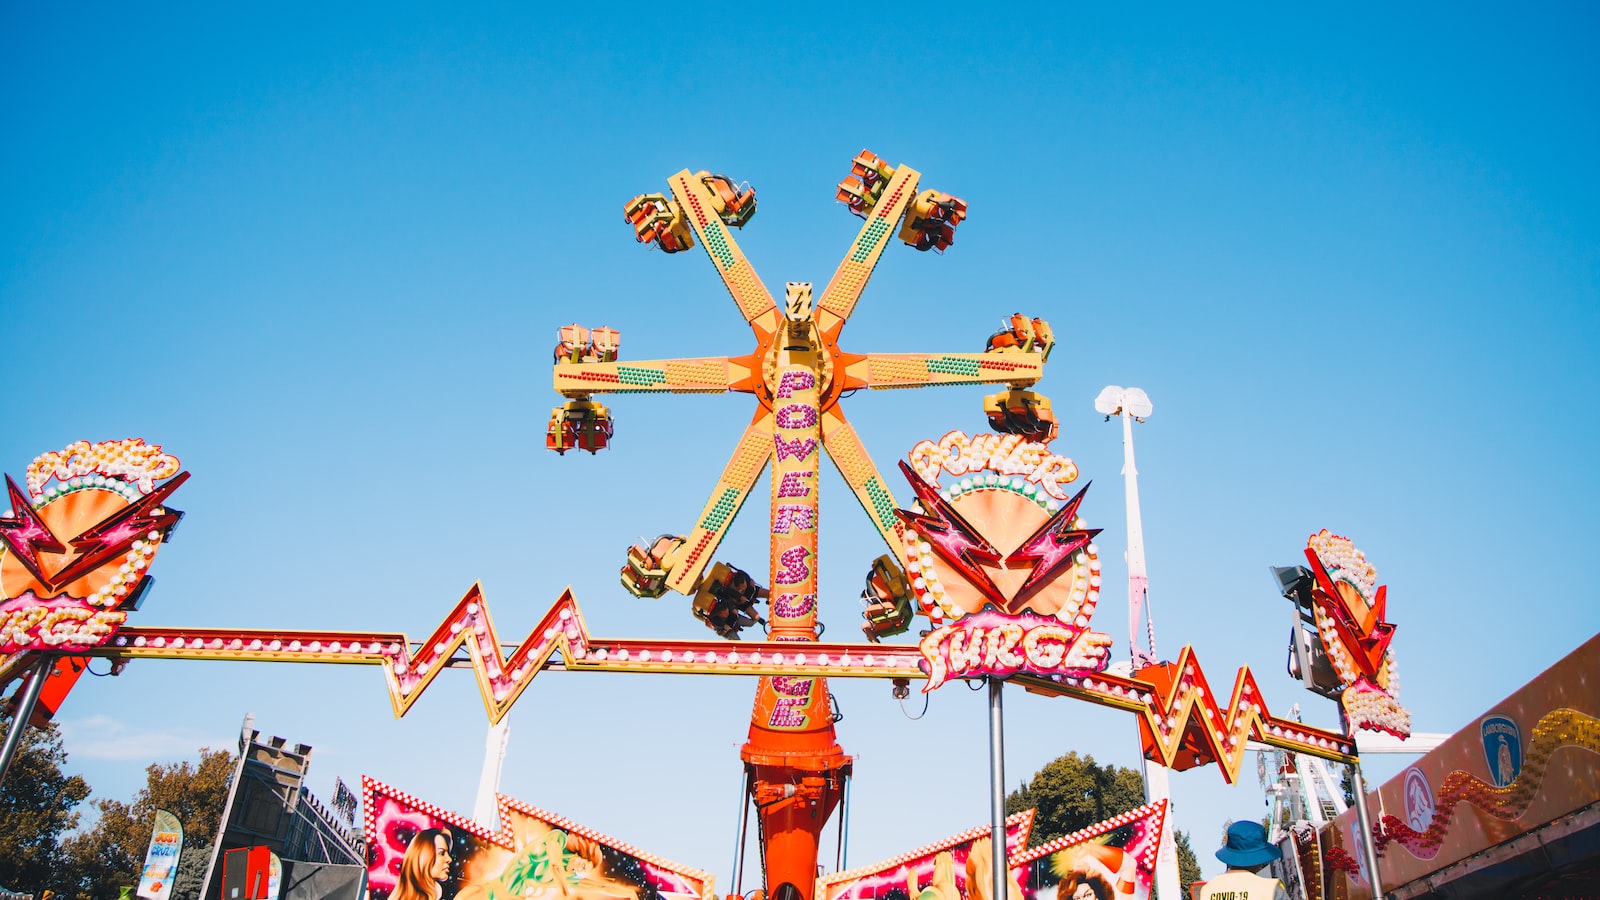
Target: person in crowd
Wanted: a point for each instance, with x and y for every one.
(1246, 852)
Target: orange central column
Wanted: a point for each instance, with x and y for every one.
(796, 763)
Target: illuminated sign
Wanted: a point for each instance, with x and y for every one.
(1350, 607)
(989, 643)
(1003, 454)
(1000, 560)
(76, 544)
(28, 623)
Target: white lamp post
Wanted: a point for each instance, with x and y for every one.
(1133, 405)
(485, 810)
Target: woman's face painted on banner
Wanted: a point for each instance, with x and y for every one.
(441, 858)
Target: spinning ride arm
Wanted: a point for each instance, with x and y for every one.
(850, 279)
(881, 371)
(709, 375)
(844, 447)
(749, 460)
(703, 207)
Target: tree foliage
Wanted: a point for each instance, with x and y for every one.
(36, 807)
(112, 853)
(1073, 792)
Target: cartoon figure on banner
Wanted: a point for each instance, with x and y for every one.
(551, 864)
(1094, 871)
(942, 886)
(1114, 860)
(980, 873)
(425, 866)
(419, 852)
(957, 868)
(1000, 560)
(945, 886)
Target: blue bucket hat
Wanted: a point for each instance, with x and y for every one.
(1247, 846)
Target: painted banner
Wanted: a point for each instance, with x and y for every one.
(1527, 761)
(274, 875)
(161, 860)
(417, 851)
(956, 868)
(1113, 860)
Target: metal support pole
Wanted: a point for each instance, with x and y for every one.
(30, 699)
(838, 850)
(744, 824)
(997, 789)
(1364, 822)
(844, 837)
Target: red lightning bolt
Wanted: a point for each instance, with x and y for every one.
(112, 536)
(956, 541)
(1368, 637)
(1052, 547)
(26, 534)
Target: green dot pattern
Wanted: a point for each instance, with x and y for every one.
(717, 243)
(882, 503)
(869, 239)
(953, 365)
(722, 510)
(635, 376)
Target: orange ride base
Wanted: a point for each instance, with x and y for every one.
(797, 771)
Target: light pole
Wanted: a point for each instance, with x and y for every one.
(485, 808)
(1133, 405)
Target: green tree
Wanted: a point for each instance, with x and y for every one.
(1073, 792)
(112, 852)
(36, 807)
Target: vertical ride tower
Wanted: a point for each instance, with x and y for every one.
(795, 768)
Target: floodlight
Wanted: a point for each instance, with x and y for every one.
(1309, 663)
(1294, 583)
(1110, 400)
(1115, 400)
(1137, 403)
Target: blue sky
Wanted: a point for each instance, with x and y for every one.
(321, 255)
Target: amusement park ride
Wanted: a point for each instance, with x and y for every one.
(994, 551)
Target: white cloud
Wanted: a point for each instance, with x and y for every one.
(106, 738)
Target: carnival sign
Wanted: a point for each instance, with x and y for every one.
(76, 543)
(1350, 608)
(161, 861)
(992, 643)
(1000, 560)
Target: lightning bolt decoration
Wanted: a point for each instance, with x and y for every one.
(560, 640)
(1349, 609)
(1184, 724)
(1052, 547)
(951, 536)
(26, 535)
(114, 536)
(73, 554)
